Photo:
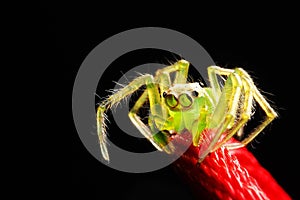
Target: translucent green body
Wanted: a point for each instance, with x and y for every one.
(178, 105)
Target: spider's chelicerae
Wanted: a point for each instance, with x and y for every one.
(180, 105)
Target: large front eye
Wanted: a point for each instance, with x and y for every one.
(185, 100)
(171, 100)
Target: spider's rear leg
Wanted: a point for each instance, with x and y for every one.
(181, 68)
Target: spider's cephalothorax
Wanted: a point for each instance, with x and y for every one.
(178, 105)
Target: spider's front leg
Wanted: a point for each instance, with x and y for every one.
(249, 93)
(160, 83)
(159, 121)
(133, 86)
(232, 112)
(251, 89)
(227, 105)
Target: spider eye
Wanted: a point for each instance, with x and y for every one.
(185, 100)
(195, 93)
(201, 84)
(164, 94)
(171, 100)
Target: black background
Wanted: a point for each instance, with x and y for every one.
(261, 40)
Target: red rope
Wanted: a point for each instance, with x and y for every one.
(224, 174)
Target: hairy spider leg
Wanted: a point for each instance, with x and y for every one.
(270, 112)
(151, 92)
(224, 115)
(238, 83)
(245, 109)
(159, 114)
(115, 98)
